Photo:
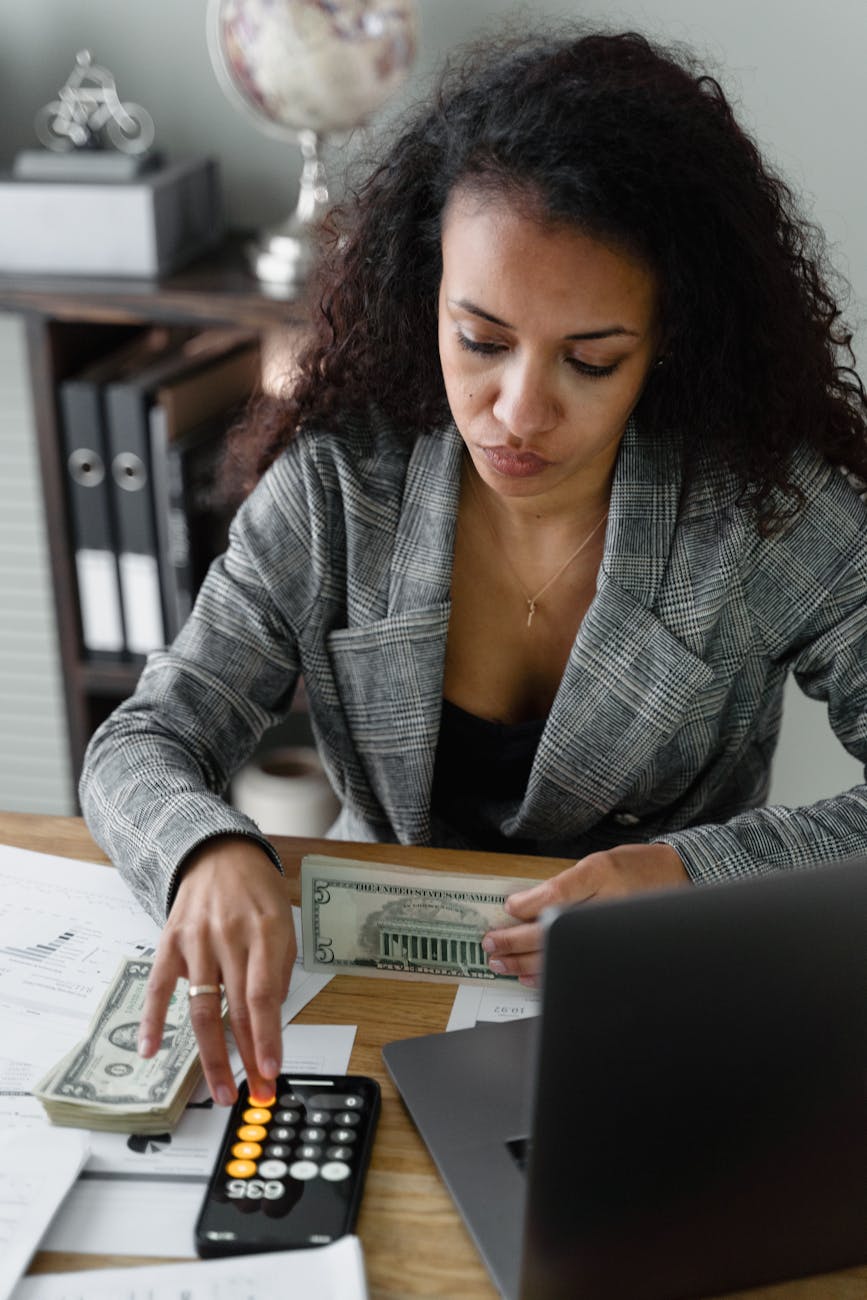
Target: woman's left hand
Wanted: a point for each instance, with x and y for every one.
(614, 873)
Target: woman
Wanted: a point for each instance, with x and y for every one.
(553, 510)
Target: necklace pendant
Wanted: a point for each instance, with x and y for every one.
(531, 606)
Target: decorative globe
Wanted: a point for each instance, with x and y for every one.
(312, 65)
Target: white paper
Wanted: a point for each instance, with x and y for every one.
(35, 1175)
(141, 1195)
(334, 1272)
(476, 1004)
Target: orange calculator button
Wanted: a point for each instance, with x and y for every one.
(241, 1168)
(256, 1116)
(247, 1150)
(252, 1132)
(263, 1101)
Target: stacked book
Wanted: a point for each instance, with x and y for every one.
(143, 434)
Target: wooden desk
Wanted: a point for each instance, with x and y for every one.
(414, 1242)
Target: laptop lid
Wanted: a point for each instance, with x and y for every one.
(699, 1117)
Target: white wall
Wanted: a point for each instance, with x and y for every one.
(795, 67)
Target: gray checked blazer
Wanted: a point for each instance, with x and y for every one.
(664, 725)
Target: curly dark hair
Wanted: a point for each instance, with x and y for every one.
(634, 144)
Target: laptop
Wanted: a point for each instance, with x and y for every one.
(687, 1117)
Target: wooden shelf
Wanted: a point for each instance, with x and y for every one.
(69, 320)
(215, 288)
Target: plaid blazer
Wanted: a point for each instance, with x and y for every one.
(664, 725)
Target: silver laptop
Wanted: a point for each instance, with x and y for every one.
(689, 1114)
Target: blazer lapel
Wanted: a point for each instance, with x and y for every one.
(629, 679)
(390, 673)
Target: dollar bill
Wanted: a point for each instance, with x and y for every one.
(372, 918)
(104, 1084)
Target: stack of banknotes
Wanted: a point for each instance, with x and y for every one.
(371, 918)
(104, 1084)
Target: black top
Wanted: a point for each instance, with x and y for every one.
(480, 777)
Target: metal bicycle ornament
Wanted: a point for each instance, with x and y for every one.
(301, 69)
(88, 114)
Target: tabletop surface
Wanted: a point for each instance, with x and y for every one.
(414, 1241)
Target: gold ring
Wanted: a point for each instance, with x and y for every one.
(197, 989)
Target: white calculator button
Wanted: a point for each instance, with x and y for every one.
(335, 1171)
(272, 1168)
(303, 1169)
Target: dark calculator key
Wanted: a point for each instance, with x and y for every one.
(277, 1151)
(282, 1134)
(312, 1134)
(311, 1152)
(348, 1118)
(287, 1116)
(318, 1117)
(342, 1135)
(289, 1099)
(338, 1153)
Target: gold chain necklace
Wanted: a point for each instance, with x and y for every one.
(531, 600)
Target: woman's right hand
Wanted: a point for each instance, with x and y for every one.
(230, 924)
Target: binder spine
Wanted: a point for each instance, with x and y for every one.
(134, 508)
(93, 540)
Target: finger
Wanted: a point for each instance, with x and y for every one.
(520, 964)
(206, 1014)
(265, 975)
(577, 884)
(240, 1020)
(513, 940)
(167, 969)
(526, 903)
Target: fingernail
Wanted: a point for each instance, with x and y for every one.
(224, 1095)
(498, 967)
(270, 1068)
(488, 945)
(144, 1045)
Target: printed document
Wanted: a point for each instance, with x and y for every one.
(476, 1004)
(334, 1272)
(35, 1175)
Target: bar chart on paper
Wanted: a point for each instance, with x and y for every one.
(61, 942)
